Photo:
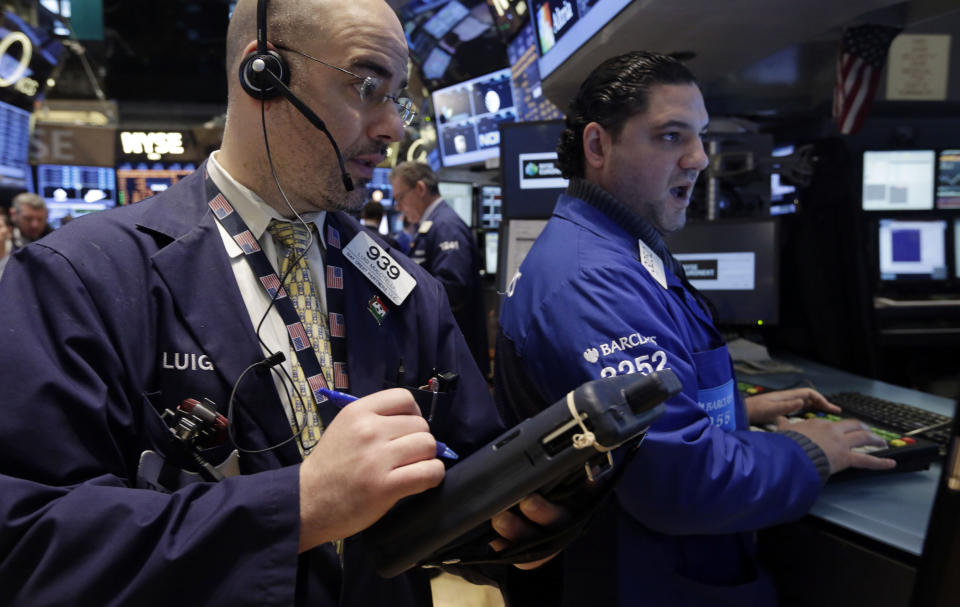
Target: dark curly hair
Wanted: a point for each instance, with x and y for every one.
(613, 92)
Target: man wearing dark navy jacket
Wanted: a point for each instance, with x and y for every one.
(124, 314)
(445, 247)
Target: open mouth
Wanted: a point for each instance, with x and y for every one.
(682, 192)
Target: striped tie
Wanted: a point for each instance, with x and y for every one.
(298, 283)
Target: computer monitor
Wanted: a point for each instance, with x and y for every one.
(491, 244)
(379, 188)
(468, 116)
(141, 180)
(912, 249)
(782, 195)
(75, 190)
(15, 171)
(460, 197)
(445, 19)
(529, 174)
(490, 207)
(956, 248)
(734, 263)
(948, 179)
(531, 102)
(898, 180)
(563, 26)
(518, 238)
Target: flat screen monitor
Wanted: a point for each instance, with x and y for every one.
(529, 174)
(491, 197)
(531, 103)
(379, 188)
(563, 26)
(734, 263)
(948, 179)
(445, 19)
(141, 180)
(468, 117)
(14, 148)
(491, 243)
(75, 190)
(460, 197)
(912, 249)
(898, 180)
(518, 238)
(956, 248)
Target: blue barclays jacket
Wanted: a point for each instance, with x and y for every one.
(582, 306)
(446, 248)
(119, 315)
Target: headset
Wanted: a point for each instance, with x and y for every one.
(266, 75)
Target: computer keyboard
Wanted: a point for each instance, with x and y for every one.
(895, 416)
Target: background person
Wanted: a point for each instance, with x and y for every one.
(29, 213)
(371, 215)
(445, 247)
(600, 295)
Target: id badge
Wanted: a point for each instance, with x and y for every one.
(720, 403)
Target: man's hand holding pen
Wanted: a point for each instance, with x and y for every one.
(375, 452)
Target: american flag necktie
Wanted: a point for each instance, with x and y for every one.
(300, 288)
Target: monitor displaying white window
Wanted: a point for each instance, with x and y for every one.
(898, 180)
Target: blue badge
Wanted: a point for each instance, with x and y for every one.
(720, 405)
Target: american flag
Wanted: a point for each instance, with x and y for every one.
(862, 55)
(272, 284)
(298, 336)
(247, 242)
(316, 382)
(333, 237)
(337, 327)
(220, 206)
(334, 277)
(340, 379)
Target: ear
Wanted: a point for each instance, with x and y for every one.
(596, 145)
(421, 188)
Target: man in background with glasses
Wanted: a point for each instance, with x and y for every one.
(444, 246)
(114, 323)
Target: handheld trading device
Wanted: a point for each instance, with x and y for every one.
(537, 453)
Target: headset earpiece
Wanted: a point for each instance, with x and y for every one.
(255, 83)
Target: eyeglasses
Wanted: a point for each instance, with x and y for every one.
(397, 197)
(368, 86)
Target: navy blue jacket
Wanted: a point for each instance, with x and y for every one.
(447, 249)
(582, 306)
(121, 314)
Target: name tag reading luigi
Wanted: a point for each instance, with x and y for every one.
(379, 268)
(652, 262)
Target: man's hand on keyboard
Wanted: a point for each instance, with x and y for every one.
(838, 439)
(765, 408)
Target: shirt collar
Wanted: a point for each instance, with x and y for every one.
(430, 209)
(256, 213)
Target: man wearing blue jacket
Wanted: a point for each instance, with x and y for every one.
(599, 295)
(445, 247)
(123, 315)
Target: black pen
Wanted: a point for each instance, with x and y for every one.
(341, 400)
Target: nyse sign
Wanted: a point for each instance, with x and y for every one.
(153, 145)
(73, 144)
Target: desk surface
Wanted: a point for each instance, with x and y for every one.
(893, 509)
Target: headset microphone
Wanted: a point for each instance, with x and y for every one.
(259, 66)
